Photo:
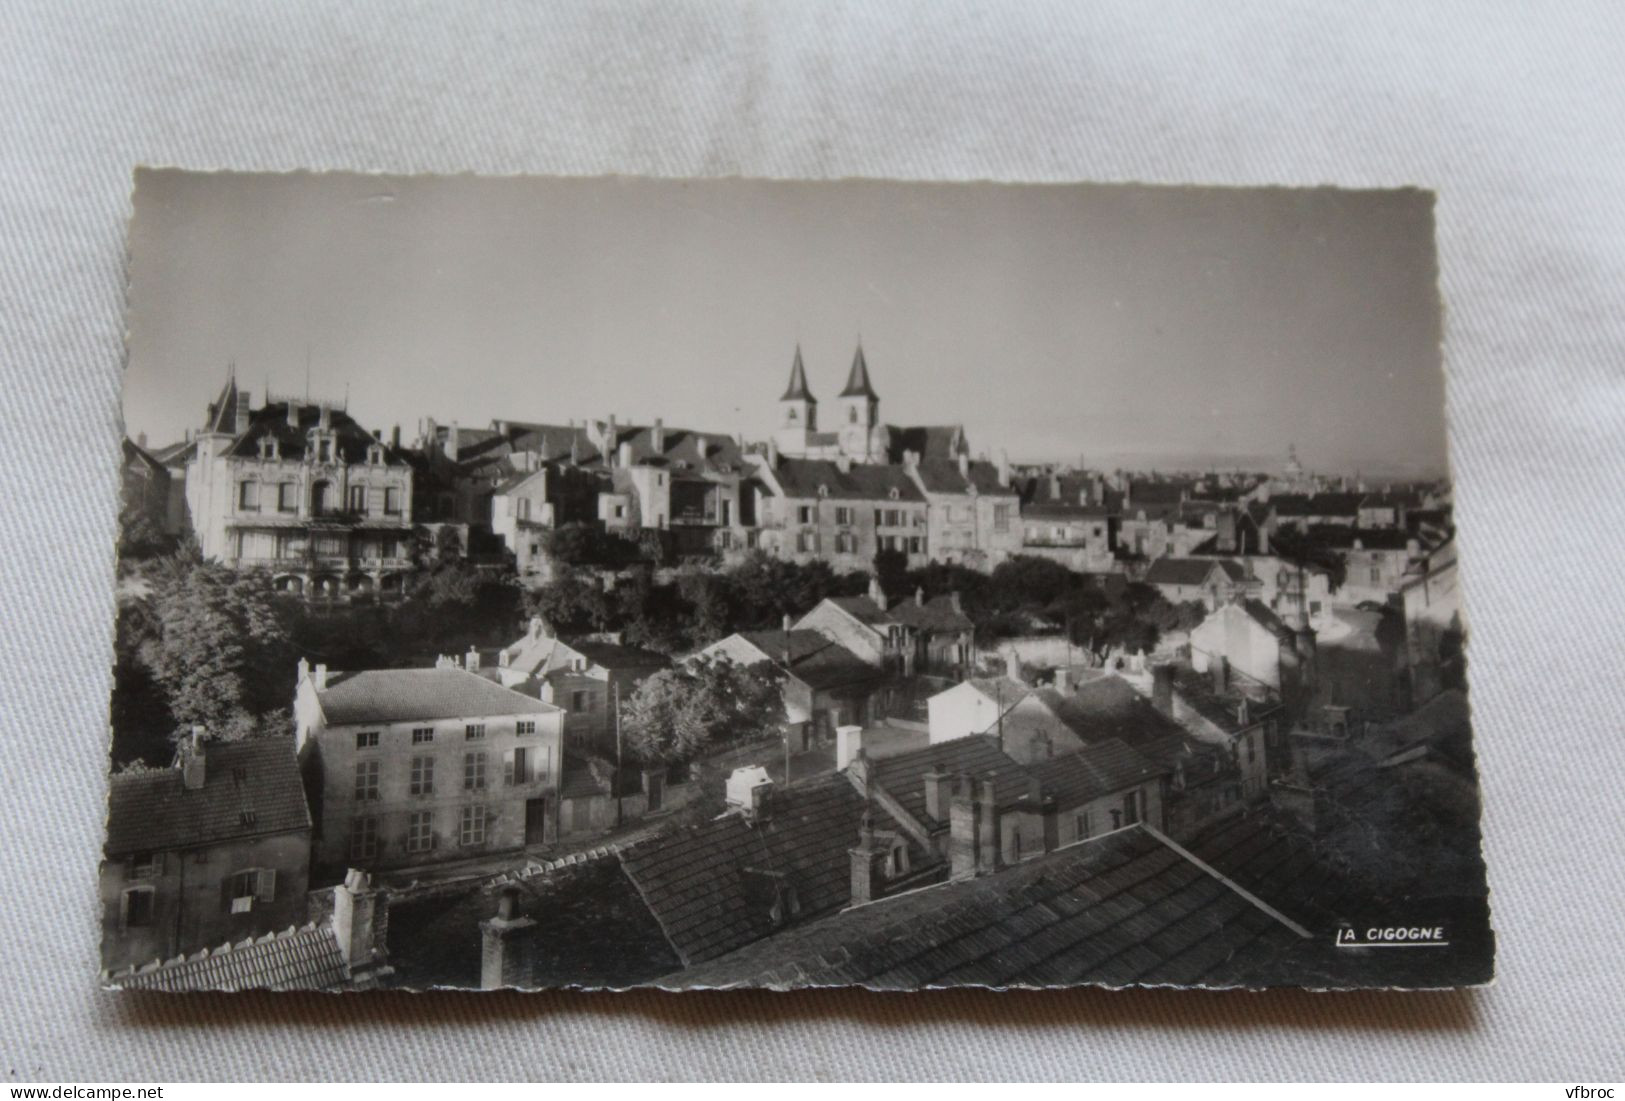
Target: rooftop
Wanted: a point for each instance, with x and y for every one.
(814, 660)
(297, 958)
(1096, 770)
(402, 695)
(978, 756)
(1192, 571)
(249, 788)
(860, 481)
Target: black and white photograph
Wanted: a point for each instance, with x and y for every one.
(618, 582)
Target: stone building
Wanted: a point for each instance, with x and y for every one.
(973, 513)
(412, 766)
(214, 849)
(585, 677)
(302, 492)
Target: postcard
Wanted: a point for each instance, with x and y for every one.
(695, 584)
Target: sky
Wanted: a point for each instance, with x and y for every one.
(1114, 325)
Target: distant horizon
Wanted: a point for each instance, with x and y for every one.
(1136, 327)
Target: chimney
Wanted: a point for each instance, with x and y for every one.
(919, 596)
(868, 863)
(192, 761)
(1097, 490)
(876, 593)
(141, 439)
(741, 785)
(761, 803)
(471, 660)
(1004, 468)
(359, 919)
(325, 418)
(964, 465)
(702, 446)
(538, 627)
(1054, 486)
(848, 744)
(453, 441)
(843, 463)
(938, 794)
(1219, 666)
(772, 454)
(1162, 689)
(395, 437)
(789, 622)
(507, 946)
(1227, 532)
(953, 599)
(1050, 809)
(428, 431)
(623, 455)
(1063, 681)
(244, 411)
(319, 677)
(304, 673)
(962, 830)
(612, 437)
(987, 815)
(657, 436)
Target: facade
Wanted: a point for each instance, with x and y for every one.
(1210, 581)
(826, 684)
(1252, 641)
(302, 492)
(412, 766)
(585, 678)
(973, 511)
(1375, 561)
(902, 638)
(840, 512)
(214, 849)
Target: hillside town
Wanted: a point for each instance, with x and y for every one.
(597, 703)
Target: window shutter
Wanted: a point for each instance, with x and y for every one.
(265, 885)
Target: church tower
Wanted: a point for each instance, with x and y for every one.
(798, 408)
(858, 411)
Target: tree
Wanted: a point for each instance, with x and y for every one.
(891, 570)
(571, 604)
(679, 714)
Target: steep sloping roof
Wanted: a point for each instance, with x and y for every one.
(271, 421)
(1316, 504)
(614, 656)
(944, 476)
(860, 481)
(1120, 909)
(978, 756)
(1094, 771)
(297, 958)
(1192, 571)
(1109, 707)
(401, 695)
(1224, 710)
(816, 661)
(857, 379)
(937, 614)
(863, 609)
(1374, 539)
(249, 788)
(797, 390)
(712, 886)
(928, 441)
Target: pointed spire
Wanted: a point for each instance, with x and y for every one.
(797, 390)
(223, 412)
(857, 383)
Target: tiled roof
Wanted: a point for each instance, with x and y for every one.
(860, 481)
(1125, 908)
(814, 660)
(712, 886)
(1316, 504)
(1222, 709)
(1095, 770)
(1192, 571)
(306, 958)
(861, 608)
(936, 614)
(978, 756)
(250, 788)
(1385, 539)
(944, 476)
(272, 421)
(401, 695)
(613, 656)
(1109, 707)
(928, 441)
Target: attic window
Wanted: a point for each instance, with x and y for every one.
(823, 490)
(375, 454)
(247, 818)
(268, 447)
(893, 494)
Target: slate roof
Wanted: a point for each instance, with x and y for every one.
(979, 756)
(860, 481)
(401, 695)
(928, 441)
(679, 446)
(814, 660)
(797, 390)
(297, 958)
(614, 656)
(1109, 707)
(936, 614)
(1219, 708)
(1094, 771)
(1192, 571)
(271, 420)
(1373, 539)
(944, 476)
(250, 788)
(857, 380)
(708, 885)
(1316, 504)
(1125, 908)
(863, 609)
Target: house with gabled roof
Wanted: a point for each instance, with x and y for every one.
(826, 684)
(974, 510)
(1211, 581)
(413, 766)
(905, 637)
(214, 848)
(586, 677)
(839, 511)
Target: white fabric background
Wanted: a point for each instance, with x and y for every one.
(1515, 114)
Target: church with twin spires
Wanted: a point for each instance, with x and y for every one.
(855, 432)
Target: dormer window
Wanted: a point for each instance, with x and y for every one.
(321, 447)
(893, 494)
(268, 447)
(823, 491)
(375, 454)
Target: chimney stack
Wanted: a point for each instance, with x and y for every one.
(953, 599)
(848, 745)
(868, 863)
(454, 441)
(359, 919)
(939, 794)
(1219, 666)
(319, 676)
(657, 436)
(325, 418)
(702, 446)
(1063, 681)
(876, 593)
(1162, 689)
(919, 596)
(244, 411)
(507, 946)
(192, 761)
(843, 463)
(1004, 468)
(987, 816)
(471, 660)
(772, 454)
(962, 830)
(1054, 486)
(789, 622)
(964, 465)
(538, 627)
(395, 437)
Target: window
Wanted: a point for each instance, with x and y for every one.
(1117, 819)
(146, 865)
(852, 414)
(420, 831)
(471, 826)
(287, 497)
(1376, 576)
(516, 767)
(375, 454)
(1131, 807)
(392, 500)
(422, 782)
(366, 739)
(620, 512)
(580, 701)
(804, 514)
(247, 887)
(366, 781)
(364, 838)
(138, 907)
(474, 731)
(248, 496)
(916, 545)
(473, 772)
(845, 543)
(422, 735)
(1001, 517)
(324, 449)
(358, 498)
(843, 515)
(1083, 825)
(268, 447)
(1252, 750)
(525, 726)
